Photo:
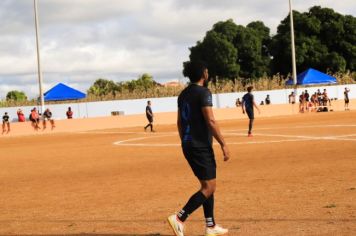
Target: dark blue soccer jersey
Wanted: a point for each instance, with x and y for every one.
(247, 99)
(5, 118)
(195, 130)
(148, 111)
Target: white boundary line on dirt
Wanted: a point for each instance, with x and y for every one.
(295, 127)
(339, 137)
(226, 131)
(288, 138)
(295, 139)
(122, 143)
(140, 138)
(121, 132)
(153, 134)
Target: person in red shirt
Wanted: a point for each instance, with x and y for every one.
(69, 113)
(20, 116)
(35, 119)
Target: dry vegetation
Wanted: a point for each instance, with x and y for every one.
(221, 86)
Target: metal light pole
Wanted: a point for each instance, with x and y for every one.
(293, 47)
(38, 57)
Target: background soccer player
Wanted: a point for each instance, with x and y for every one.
(149, 116)
(248, 102)
(346, 98)
(196, 126)
(5, 123)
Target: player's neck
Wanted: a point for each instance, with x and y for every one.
(200, 82)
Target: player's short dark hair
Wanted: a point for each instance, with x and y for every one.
(194, 70)
(249, 88)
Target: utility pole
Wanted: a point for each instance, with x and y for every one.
(293, 47)
(38, 57)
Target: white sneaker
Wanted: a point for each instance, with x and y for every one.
(216, 230)
(176, 225)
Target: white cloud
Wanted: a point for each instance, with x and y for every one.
(83, 40)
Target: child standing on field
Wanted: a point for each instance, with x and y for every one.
(347, 100)
(5, 123)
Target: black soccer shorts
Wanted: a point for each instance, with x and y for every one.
(202, 161)
(250, 113)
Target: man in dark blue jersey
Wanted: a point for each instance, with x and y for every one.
(346, 98)
(5, 123)
(248, 102)
(196, 126)
(149, 116)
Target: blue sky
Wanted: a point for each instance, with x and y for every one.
(82, 40)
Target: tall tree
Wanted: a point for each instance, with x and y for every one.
(226, 29)
(252, 43)
(347, 47)
(15, 95)
(263, 32)
(103, 87)
(232, 50)
(324, 40)
(144, 82)
(218, 53)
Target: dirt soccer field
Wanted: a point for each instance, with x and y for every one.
(296, 176)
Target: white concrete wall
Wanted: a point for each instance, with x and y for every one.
(225, 100)
(169, 104)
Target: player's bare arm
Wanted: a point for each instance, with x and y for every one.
(179, 126)
(254, 104)
(212, 124)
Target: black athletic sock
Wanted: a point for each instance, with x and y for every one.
(208, 206)
(250, 126)
(151, 127)
(194, 203)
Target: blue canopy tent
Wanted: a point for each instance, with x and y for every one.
(62, 92)
(311, 77)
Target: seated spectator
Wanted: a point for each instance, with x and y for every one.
(314, 100)
(268, 100)
(309, 106)
(262, 103)
(302, 103)
(326, 99)
(320, 97)
(306, 95)
(20, 116)
(69, 113)
(35, 119)
(238, 102)
(5, 123)
(47, 116)
(291, 98)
